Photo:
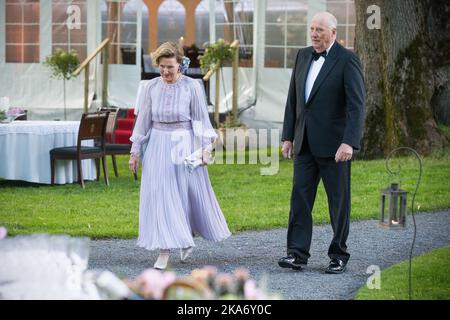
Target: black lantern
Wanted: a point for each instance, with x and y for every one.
(396, 215)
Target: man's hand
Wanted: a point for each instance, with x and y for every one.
(344, 153)
(286, 149)
(133, 163)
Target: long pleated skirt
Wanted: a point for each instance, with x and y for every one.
(176, 204)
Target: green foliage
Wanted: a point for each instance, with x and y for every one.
(2, 115)
(445, 130)
(219, 52)
(62, 64)
(430, 280)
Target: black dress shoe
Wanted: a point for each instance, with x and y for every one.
(336, 266)
(292, 262)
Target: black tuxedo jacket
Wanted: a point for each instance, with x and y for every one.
(334, 112)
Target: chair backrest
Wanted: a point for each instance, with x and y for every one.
(112, 122)
(93, 126)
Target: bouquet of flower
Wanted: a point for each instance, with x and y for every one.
(203, 284)
(14, 112)
(184, 66)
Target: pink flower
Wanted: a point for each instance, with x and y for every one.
(223, 283)
(15, 111)
(200, 275)
(251, 292)
(3, 233)
(152, 283)
(210, 270)
(241, 274)
(224, 279)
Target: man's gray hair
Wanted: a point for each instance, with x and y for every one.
(332, 21)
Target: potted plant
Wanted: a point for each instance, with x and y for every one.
(216, 54)
(62, 64)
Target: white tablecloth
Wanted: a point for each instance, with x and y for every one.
(25, 147)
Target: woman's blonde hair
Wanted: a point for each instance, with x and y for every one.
(167, 50)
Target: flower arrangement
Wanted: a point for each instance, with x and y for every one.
(11, 113)
(185, 64)
(216, 53)
(203, 284)
(62, 64)
(15, 111)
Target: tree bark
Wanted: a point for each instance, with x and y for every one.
(401, 74)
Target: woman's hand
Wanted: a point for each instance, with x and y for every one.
(133, 163)
(206, 155)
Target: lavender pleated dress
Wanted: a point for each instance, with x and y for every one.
(175, 204)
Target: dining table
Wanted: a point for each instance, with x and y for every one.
(25, 151)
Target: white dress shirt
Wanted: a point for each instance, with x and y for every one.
(314, 70)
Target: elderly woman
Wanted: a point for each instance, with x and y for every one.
(173, 123)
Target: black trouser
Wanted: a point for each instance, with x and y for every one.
(308, 170)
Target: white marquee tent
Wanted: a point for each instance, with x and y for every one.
(270, 33)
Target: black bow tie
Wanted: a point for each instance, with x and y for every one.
(316, 55)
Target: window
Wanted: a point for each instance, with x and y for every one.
(171, 21)
(22, 31)
(69, 26)
(286, 31)
(145, 22)
(119, 24)
(344, 11)
(234, 20)
(287, 28)
(202, 23)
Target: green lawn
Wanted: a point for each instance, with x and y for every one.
(430, 279)
(249, 200)
(445, 130)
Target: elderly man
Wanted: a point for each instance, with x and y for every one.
(322, 128)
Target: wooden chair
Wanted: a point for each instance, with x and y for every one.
(111, 148)
(92, 126)
(111, 124)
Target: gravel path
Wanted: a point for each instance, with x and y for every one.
(259, 251)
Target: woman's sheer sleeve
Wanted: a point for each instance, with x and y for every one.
(143, 126)
(204, 132)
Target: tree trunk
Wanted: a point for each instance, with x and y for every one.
(400, 74)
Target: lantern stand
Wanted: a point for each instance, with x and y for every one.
(394, 189)
(396, 198)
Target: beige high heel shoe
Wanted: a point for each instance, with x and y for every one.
(185, 252)
(163, 258)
